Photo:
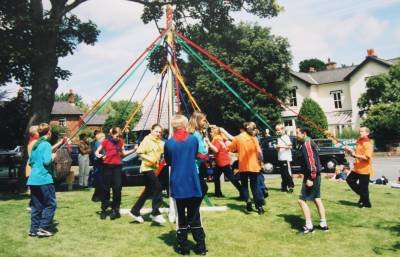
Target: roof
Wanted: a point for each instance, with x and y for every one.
(65, 108)
(340, 74)
(150, 116)
(98, 119)
(339, 117)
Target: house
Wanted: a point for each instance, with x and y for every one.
(65, 114)
(336, 90)
(97, 122)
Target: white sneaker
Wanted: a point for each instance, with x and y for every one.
(158, 219)
(43, 233)
(138, 219)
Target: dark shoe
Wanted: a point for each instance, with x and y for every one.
(115, 214)
(103, 215)
(249, 206)
(307, 230)
(200, 249)
(32, 234)
(260, 210)
(266, 194)
(219, 195)
(290, 190)
(182, 250)
(326, 228)
(365, 205)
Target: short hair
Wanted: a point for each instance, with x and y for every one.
(279, 126)
(155, 126)
(43, 129)
(179, 121)
(115, 131)
(366, 129)
(33, 130)
(100, 136)
(304, 130)
(95, 132)
(82, 136)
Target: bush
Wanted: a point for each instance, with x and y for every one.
(313, 112)
(348, 133)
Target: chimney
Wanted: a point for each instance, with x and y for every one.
(311, 70)
(330, 65)
(71, 97)
(371, 52)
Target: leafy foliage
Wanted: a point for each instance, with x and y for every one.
(384, 121)
(119, 114)
(254, 52)
(317, 64)
(313, 112)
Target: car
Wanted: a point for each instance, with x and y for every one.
(329, 155)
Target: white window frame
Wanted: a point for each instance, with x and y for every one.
(337, 99)
(62, 122)
(293, 97)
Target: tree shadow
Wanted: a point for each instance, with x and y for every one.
(7, 197)
(295, 221)
(238, 207)
(395, 229)
(347, 203)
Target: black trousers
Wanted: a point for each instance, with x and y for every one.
(255, 189)
(227, 171)
(359, 184)
(188, 210)
(287, 180)
(111, 179)
(152, 189)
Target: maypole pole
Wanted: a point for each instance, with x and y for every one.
(169, 90)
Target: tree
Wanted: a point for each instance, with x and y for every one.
(313, 112)
(119, 114)
(257, 54)
(63, 97)
(317, 64)
(383, 88)
(380, 104)
(383, 119)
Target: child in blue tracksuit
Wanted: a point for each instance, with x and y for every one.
(180, 153)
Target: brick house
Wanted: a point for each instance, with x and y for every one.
(66, 115)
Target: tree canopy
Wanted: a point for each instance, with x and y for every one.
(317, 64)
(313, 112)
(63, 97)
(257, 54)
(380, 104)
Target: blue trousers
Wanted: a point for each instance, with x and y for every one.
(43, 206)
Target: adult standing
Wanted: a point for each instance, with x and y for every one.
(40, 181)
(180, 154)
(112, 171)
(311, 186)
(249, 158)
(150, 151)
(358, 179)
(83, 160)
(284, 146)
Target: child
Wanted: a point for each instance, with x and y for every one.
(185, 185)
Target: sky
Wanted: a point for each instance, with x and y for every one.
(341, 30)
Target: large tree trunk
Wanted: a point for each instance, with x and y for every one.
(44, 64)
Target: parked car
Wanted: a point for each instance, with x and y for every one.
(329, 155)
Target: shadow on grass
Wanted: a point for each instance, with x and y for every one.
(395, 229)
(238, 207)
(347, 203)
(7, 197)
(295, 221)
(170, 239)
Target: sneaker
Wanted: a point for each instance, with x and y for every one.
(32, 234)
(115, 214)
(307, 230)
(260, 210)
(249, 207)
(365, 205)
(158, 219)
(290, 190)
(136, 218)
(326, 228)
(28, 209)
(44, 233)
(103, 215)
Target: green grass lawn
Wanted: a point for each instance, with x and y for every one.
(353, 231)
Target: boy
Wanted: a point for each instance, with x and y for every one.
(185, 185)
(310, 189)
(284, 147)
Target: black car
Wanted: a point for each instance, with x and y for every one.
(329, 155)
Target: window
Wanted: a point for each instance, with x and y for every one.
(293, 97)
(62, 122)
(288, 123)
(337, 99)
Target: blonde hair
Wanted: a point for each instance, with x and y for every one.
(33, 130)
(217, 134)
(280, 126)
(194, 122)
(99, 136)
(179, 121)
(43, 129)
